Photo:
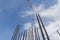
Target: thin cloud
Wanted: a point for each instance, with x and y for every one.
(52, 12)
(27, 25)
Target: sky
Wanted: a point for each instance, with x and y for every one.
(14, 12)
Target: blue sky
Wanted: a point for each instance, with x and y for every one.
(11, 12)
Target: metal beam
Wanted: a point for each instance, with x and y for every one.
(40, 27)
(43, 27)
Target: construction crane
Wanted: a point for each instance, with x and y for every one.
(39, 22)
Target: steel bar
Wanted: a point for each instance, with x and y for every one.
(43, 27)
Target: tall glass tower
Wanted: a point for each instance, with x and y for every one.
(32, 33)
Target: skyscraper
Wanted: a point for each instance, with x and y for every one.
(33, 32)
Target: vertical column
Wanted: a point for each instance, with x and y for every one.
(38, 36)
(15, 34)
(43, 27)
(22, 37)
(32, 38)
(40, 27)
(26, 35)
(35, 33)
(19, 37)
